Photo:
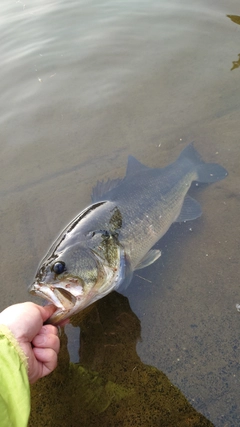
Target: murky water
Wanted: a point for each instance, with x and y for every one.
(84, 84)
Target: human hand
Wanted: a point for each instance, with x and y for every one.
(39, 342)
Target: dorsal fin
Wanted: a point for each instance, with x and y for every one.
(134, 166)
(103, 187)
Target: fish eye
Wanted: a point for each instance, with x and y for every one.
(58, 267)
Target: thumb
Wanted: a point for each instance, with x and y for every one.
(46, 311)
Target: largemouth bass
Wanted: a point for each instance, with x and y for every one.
(100, 248)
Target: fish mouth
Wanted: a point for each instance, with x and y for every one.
(70, 296)
(64, 299)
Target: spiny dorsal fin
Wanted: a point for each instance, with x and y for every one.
(102, 188)
(134, 166)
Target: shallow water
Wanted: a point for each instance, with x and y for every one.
(84, 84)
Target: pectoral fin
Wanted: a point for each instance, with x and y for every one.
(149, 258)
(190, 210)
(125, 273)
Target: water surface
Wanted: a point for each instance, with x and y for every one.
(85, 84)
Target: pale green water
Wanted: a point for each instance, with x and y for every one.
(84, 84)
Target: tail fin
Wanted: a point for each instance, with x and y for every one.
(207, 172)
(211, 172)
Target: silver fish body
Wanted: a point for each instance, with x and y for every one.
(100, 248)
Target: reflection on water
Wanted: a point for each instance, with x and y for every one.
(110, 386)
(236, 20)
(236, 64)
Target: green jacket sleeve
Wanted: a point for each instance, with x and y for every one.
(14, 384)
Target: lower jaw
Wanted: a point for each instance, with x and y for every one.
(58, 317)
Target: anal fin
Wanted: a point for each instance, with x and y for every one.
(191, 209)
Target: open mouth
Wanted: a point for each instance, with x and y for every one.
(66, 298)
(61, 298)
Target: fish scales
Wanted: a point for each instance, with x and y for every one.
(151, 211)
(101, 248)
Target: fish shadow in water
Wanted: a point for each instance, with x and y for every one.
(110, 386)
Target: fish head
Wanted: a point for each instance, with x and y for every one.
(75, 278)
